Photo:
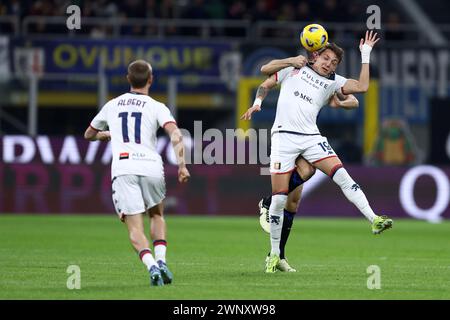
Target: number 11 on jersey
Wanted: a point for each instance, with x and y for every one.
(137, 126)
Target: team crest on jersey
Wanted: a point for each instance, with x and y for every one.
(277, 165)
(294, 72)
(124, 155)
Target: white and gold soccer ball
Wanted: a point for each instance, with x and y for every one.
(314, 37)
(264, 217)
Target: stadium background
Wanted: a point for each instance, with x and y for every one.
(206, 55)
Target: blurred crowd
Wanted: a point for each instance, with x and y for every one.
(303, 10)
(325, 11)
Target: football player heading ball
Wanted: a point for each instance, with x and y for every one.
(295, 130)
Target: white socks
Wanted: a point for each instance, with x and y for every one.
(160, 252)
(147, 258)
(353, 193)
(276, 221)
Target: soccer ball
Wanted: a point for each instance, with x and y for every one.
(264, 217)
(314, 37)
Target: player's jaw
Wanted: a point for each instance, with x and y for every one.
(325, 70)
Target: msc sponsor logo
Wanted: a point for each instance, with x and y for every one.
(303, 97)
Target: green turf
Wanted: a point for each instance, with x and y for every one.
(223, 258)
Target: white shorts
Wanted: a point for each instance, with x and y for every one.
(133, 194)
(286, 147)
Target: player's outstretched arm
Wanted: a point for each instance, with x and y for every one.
(362, 85)
(349, 102)
(261, 94)
(279, 64)
(92, 134)
(178, 146)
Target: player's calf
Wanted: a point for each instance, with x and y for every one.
(353, 192)
(288, 219)
(276, 221)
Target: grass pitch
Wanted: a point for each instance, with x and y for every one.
(223, 258)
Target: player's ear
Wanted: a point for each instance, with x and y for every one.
(128, 78)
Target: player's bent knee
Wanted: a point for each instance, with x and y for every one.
(305, 169)
(292, 206)
(156, 211)
(337, 168)
(157, 218)
(155, 214)
(308, 173)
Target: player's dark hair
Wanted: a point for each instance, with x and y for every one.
(139, 72)
(335, 48)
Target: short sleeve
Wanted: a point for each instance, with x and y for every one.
(100, 121)
(283, 73)
(340, 82)
(164, 116)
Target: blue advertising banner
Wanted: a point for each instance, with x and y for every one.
(167, 57)
(188, 60)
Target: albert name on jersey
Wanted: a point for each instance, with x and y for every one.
(133, 120)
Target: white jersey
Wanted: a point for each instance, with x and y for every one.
(303, 93)
(133, 120)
